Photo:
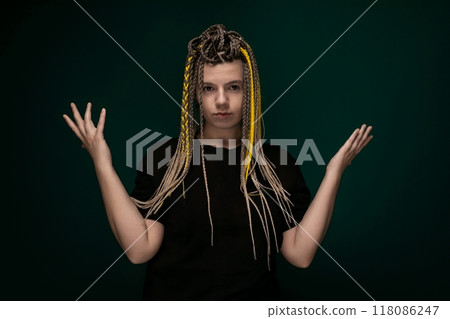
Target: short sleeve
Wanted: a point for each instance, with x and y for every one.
(144, 188)
(294, 182)
(300, 197)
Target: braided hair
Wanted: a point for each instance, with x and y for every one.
(217, 45)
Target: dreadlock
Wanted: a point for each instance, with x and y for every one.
(216, 45)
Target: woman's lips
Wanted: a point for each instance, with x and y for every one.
(222, 115)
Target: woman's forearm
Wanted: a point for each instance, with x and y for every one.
(126, 222)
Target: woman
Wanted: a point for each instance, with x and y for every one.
(212, 231)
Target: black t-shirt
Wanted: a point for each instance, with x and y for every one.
(186, 266)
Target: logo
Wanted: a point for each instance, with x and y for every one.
(138, 150)
(148, 142)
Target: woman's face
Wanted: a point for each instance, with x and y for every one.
(223, 95)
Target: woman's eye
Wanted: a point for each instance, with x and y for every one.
(207, 88)
(235, 87)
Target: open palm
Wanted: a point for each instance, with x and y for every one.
(355, 143)
(91, 137)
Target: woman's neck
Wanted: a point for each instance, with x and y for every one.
(230, 137)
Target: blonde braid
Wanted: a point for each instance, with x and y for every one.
(180, 162)
(245, 133)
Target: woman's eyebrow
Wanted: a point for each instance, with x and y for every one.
(228, 83)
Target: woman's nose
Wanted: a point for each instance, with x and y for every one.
(221, 97)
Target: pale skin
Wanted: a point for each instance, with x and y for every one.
(222, 94)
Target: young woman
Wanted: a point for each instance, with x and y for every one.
(210, 229)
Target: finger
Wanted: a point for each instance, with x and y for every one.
(87, 118)
(363, 139)
(368, 139)
(73, 126)
(78, 118)
(352, 137)
(101, 121)
(358, 138)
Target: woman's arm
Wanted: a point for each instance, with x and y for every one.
(301, 242)
(126, 222)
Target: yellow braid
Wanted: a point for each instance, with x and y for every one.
(185, 109)
(252, 113)
(259, 109)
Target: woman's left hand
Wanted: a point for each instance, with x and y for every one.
(355, 143)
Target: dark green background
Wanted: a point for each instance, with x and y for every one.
(391, 70)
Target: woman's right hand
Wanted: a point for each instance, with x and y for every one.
(91, 137)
